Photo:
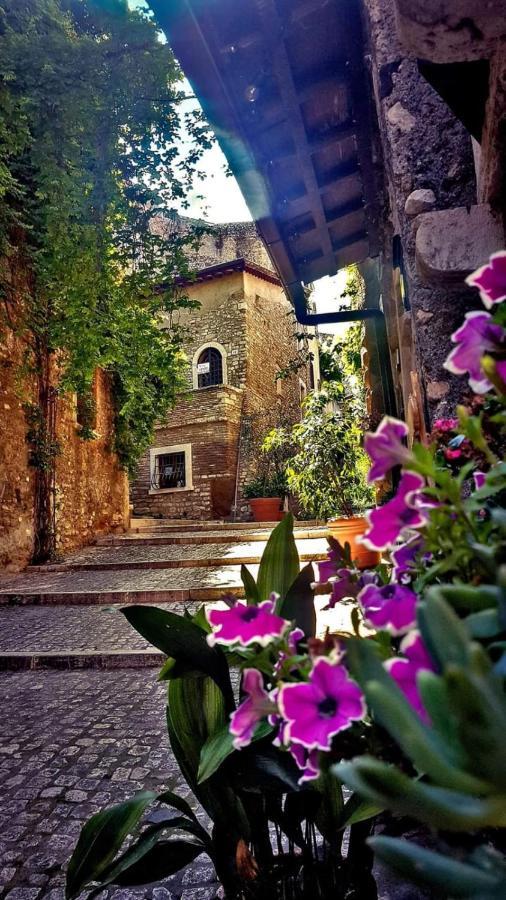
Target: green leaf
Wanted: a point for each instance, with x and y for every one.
(467, 598)
(443, 632)
(128, 868)
(329, 817)
(298, 604)
(279, 565)
(220, 745)
(484, 624)
(435, 806)
(453, 877)
(428, 752)
(358, 810)
(159, 861)
(265, 769)
(250, 586)
(481, 708)
(184, 641)
(101, 838)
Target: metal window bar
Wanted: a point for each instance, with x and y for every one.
(169, 471)
(214, 375)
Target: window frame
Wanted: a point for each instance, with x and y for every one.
(162, 451)
(214, 345)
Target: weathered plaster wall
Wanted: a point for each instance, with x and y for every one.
(92, 489)
(16, 478)
(424, 147)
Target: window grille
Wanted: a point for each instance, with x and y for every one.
(169, 471)
(210, 363)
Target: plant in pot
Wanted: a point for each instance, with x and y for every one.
(328, 471)
(266, 494)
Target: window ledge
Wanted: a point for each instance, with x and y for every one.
(170, 490)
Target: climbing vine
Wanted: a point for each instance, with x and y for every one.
(90, 127)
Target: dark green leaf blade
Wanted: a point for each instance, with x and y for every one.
(279, 565)
(100, 839)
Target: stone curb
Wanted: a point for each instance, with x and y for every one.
(96, 598)
(197, 538)
(75, 659)
(209, 563)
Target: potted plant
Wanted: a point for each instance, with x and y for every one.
(266, 494)
(327, 470)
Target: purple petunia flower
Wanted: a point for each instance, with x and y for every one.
(386, 523)
(386, 448)
(293, 639)
(391, 607)
(405, 670)
(404, 558)
(490, 279)
(307, 760)
(479, 479)
(318, 709)
(246, 624)
(257, 706)
(477, 336)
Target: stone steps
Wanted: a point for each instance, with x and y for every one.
(126, 586)
(141, 556)
(196, 537)
(159, 526)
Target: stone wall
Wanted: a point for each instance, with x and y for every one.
(251, 319)
(221, 243)
(92, 489)
(16, 478)
(209, 420)
(424, 149)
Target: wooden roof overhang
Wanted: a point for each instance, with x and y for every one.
(284, 86)
(228, 268)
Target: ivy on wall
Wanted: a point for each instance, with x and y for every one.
(90, 137)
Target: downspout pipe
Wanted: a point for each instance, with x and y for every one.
(297, 296)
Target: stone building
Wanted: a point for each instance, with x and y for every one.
(368, 132)
(242, 335)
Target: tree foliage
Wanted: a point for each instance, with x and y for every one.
(89, 152)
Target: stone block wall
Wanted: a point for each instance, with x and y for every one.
(425, 148)
(209, 420)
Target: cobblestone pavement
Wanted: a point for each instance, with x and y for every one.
(71, 743)
(39, 629)
(177, 554)
(35, 628)
(126, 581)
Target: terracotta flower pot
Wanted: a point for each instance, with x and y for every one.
(348, 530)
(266, 509)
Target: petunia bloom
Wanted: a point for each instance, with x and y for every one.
(479, 479)
(386, 523)
(445, 425)
(477, 336)
(257, 706)
(318, 709)
(307, 761)
(404, 558)
(386, 448)
(404, 670)
(246, 624)
(490, 279)
(391, 607)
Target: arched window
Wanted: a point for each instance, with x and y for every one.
(209, 367)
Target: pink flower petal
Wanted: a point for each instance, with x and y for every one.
(490, 279)
(385, 447)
